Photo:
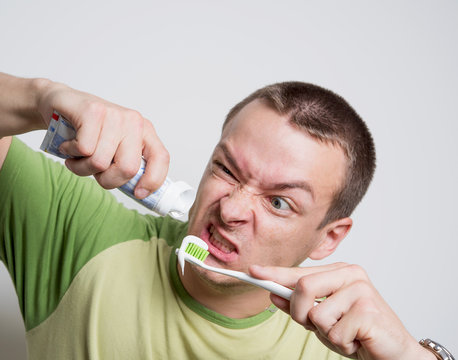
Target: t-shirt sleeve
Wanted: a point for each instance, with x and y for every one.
(52, 223)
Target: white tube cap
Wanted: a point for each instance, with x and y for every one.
(177, 199)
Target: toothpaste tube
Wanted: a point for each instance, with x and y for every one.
(59, 130)
(172, 198)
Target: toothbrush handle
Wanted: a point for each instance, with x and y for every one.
(271, 286)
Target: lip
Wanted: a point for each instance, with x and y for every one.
(218, 254)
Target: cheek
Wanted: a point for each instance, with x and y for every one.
(287, 244)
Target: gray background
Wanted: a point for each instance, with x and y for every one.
(184, 64)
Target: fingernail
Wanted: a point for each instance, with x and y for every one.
(141, 193)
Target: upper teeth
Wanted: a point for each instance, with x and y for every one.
(218, 241)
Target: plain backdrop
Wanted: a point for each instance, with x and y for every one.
(184, 64)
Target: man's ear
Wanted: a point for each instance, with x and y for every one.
(331, 236)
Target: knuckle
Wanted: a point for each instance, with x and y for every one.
(362, 287)
(84, 148)
(99, 164)
(357, 270)
(96, 110)
(135, 117)
(129, 170)
(303, 285)
(298, 315)
(366, 306)
(336, 337)
(133, 120)
(164, 155)
(315, 315)
(103, 182)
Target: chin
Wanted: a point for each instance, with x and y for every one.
(221, 283)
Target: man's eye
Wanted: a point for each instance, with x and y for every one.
(279, 203)
(226, 170)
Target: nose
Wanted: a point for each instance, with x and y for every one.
(237, 207)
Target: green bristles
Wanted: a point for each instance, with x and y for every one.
(196, 251)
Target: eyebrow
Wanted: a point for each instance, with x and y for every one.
(304, 185)
(229, 158)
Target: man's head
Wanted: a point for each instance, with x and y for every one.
(326, 117)
(273, 189)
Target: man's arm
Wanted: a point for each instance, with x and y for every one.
(52, 222)
(4, 146)
(110, 139)
(18, 102)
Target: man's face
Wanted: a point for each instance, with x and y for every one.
(263, 194)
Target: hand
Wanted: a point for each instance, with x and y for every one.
(353, 320)
(110, 140)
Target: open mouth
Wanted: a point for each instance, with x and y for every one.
(219, 246)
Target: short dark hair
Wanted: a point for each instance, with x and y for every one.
(327, 117)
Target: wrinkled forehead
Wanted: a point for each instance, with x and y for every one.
(316, 132)
(268, 147)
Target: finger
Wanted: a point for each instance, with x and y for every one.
(157, 163)
(326, 314)
(289, 276)
(300, 305)
(125, 165)
(331, 346)
(330, 311)
(344, 334)
(88, 128)
(317, 285)
(323, 284)
(102, 157)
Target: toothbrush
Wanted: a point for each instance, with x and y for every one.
(194, 250)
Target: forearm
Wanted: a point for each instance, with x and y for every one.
(19, 105)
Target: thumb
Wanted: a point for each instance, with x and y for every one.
(288, 276)
(281, 275)
(157, 162)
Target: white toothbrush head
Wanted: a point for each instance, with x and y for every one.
(195, 250)
(193, 247)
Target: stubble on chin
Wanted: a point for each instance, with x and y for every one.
(221, 284)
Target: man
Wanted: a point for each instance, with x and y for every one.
(95, 280)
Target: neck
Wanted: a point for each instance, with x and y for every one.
(236, 302)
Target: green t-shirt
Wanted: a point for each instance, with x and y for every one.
(97, 281)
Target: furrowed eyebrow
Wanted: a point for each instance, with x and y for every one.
(304, 185)
(229, 158)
